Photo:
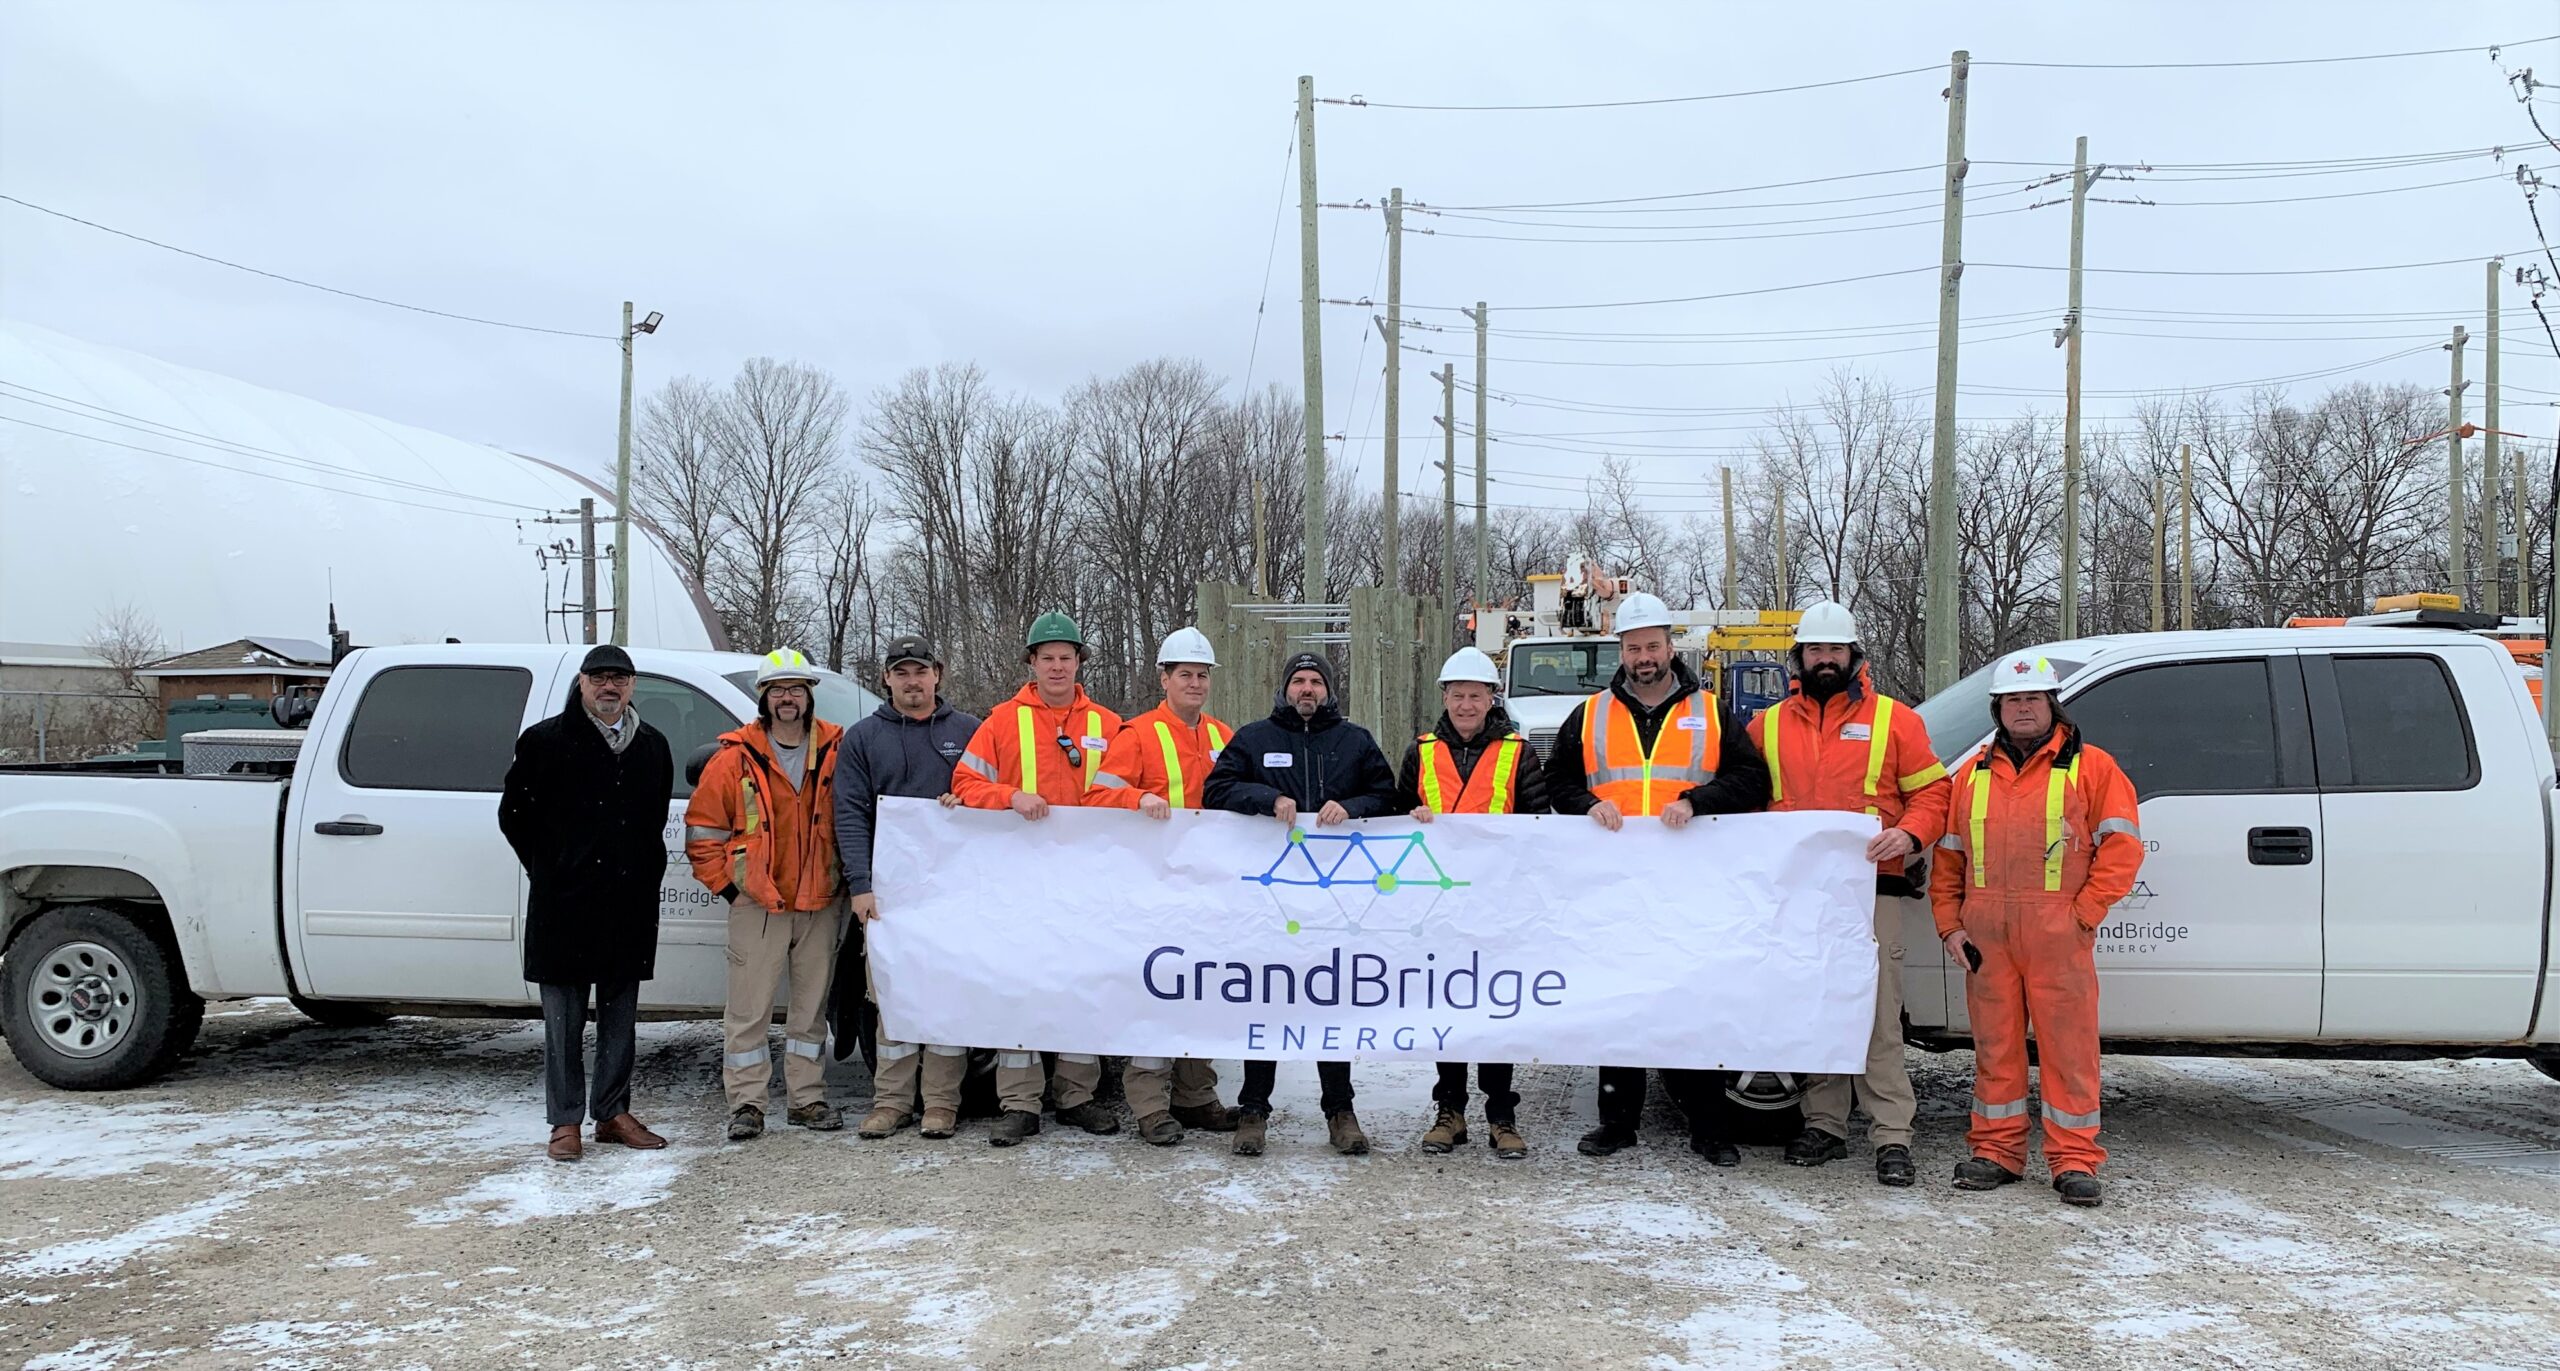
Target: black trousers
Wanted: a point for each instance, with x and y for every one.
(1622, 1091)
(1333, 1078)
(564, 1031)
(1501, 1102)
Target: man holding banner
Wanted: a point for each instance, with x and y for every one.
(1475, 762)
(1654, 745)
(1043, 747)
(1305, 757)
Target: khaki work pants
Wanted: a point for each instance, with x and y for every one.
(943, 1069)
(1020, 1081)
(1885, 1086)
(762, 949)
(1158, 1085)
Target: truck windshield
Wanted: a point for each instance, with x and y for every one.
(839, 700)
(1960, 715)
(1576, 668)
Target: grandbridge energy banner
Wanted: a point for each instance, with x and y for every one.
(1743, 942)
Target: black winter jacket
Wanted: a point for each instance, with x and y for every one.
(1528, 782)
(1741, 785)
(590, 826)
(1326, 757)
(891, 754)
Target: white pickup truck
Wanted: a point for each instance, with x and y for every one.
(371, 880)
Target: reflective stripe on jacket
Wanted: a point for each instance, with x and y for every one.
(2065, 830)
(747, 826)
(1618, 769)
(1156, 753)
(992, 769)
(1485, 790)
(1856, 751)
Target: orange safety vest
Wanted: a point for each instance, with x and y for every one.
(2039, 834)
(1157, 753)
(1618, 769)
(746, 826)
(1018, 748)
(1487, 790)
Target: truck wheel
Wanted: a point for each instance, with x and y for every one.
(340, 1013)
(91, 1000)
(2549, 1066)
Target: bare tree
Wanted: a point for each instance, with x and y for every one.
(127, 640)
(676, 474)
(844, 580)
(777, 432)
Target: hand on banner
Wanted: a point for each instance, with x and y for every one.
(1030, 806)
(1891, 843)
(1421, 814)
(1154, 807)
(1607, 816)
(1332, 813)
(948, 800)
(866, 908)
(1285, 810)
(1678, 813)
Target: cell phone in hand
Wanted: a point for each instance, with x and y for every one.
(1972, 956)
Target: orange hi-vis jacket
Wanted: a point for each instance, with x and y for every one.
(1486, 790)
(1619, 770)
(1026, 745)
(2065, 830)
(1857, 751)
(1157, 753)
(748, 827)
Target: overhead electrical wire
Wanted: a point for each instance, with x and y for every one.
(1262, 302)
(260, 475)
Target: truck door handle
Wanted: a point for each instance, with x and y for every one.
(2279, 847)
(349, 827)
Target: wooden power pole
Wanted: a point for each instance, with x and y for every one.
(1311, 342)
(2071, 398)
(1448, 491)
(1390, 537)
(1940, 641)
(2490, 547)
(2456, 525)
(1484, 550)
(2186, 537)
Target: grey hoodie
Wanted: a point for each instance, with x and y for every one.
(891, 754)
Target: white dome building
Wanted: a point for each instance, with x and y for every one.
(221, 510)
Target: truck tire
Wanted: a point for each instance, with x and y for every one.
(340, 1013)
(2549, 1066)
(92, 999)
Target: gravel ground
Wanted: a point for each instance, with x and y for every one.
(299, 1196)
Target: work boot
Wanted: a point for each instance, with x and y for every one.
(745, 1122)
(1717, 1151)
(1093, 1116)
(1813, 1147)
(1447, 1131)
(566, 1146)
(940, 1122)
(1343, 1131)
(1982, 1173)
(1016, 1125)
(1506, 1140)
(882, 1121)
(1249, 1132)
(821, 1117)
(1608, 1140)
(1893, 1165)
(2078, 1188)
(1160, 1128)
(1208, 1118)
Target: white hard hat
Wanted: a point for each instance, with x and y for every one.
(1186, 645)
(784, 664)
(1828, 622)
(1468, 664)
(1642, 610)
(2022, 672)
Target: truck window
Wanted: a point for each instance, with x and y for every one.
(688, 717)
(1582, 667)
(436, 728)
(2405, 727)
(2188, 728)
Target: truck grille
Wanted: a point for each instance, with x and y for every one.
(1540, 739)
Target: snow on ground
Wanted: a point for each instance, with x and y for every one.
(297, 1196)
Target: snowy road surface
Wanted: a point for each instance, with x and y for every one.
(299, 1196)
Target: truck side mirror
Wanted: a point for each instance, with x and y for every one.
(694, 764)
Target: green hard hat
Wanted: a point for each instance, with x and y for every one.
(1053, 627)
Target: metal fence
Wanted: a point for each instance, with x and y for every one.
(1385, 648)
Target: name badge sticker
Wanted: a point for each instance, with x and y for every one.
(1693, 723)
(1094, 743)
(1279, 759)
(1856, 733)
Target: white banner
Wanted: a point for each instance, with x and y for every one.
(1744, 942)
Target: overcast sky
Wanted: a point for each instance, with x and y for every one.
(1059, 190)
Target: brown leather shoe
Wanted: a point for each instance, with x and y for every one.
(565, 1146)
(628, 1131)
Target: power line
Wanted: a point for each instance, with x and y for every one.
(1278, 212)
(2489, 50)
(260, 475)
(1734, 361)
(2471, 261)
(1672, 300)
(1363, 102)
(308, 285)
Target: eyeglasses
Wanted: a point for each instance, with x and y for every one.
(1068, 746)
(610, 677)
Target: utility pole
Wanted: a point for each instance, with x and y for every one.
(1484, 549)
(2071, 398)
(587, 563)
(1940, 641)
(621, 507)
(1728, 538)
(2457, 565)
(1448, 490)
(1391, 537)
(1311, 342)
(2524, 546)
(1781, 542)
(2489, 545)
(2186, 537)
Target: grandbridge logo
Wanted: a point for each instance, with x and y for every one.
(1354, 872)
